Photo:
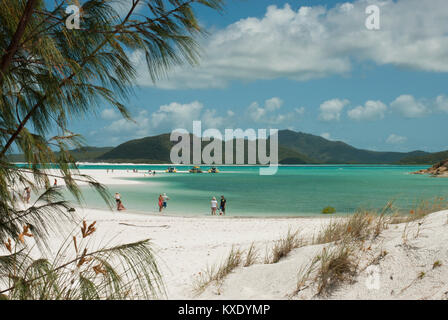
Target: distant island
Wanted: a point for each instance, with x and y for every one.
(294, 148)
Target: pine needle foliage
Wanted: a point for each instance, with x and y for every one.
(49, 76)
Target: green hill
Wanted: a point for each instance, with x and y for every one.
(426, 159)
(157, 150)
(148, 150)
(294, 148)
(326, 151)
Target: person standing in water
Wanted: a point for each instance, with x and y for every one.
(222, 206)
(160, 203)
(117, 199)
(165, 199)
(214, 205)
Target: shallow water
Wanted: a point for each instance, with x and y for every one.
(293, 191)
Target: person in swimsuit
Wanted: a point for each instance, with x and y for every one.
(160, 203)
(117, 199)
(120, 206)
(222, 206)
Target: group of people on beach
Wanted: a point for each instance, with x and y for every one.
(222, 206)
(163, 199)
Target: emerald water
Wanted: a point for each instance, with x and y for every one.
(293, 191)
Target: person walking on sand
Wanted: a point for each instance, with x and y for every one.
(165, 199)
(55, 184)
(214, 205)
(222, 206)
(160, 203)
(117, 199)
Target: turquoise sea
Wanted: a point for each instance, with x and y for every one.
(293, 191)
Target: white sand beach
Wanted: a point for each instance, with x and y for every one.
(186, 246)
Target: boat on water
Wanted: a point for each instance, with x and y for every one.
(213, 170)
(195, 169)
(171, 170)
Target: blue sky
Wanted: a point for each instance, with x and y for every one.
(309, 66)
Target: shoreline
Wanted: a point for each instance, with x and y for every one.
(209, 216)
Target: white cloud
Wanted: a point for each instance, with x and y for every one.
(409, 107)
(314, 42)
(270, 114)
(177, 115)
(266, 113)
(109, 114)
(442, 103)
(273, 104)
(167, 118)
(372, 110)
(331, 110)
(396, 139)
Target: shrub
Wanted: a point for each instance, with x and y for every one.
(328, 210)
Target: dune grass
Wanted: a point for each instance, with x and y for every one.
(251, 255)
(339, 260)
(420, 210)
(359, 226)
(337, 265)
(284, 246)
(217, 273)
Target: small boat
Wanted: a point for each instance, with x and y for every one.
(171, 170)
(213, 170)
(195, 170)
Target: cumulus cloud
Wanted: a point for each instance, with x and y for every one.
(314, 42)
(270, 114)
(166, 118)
(442, 103)
(409, 107)
(396, 139)
(177, 115)
(266, 113)
(331, 110)
(109, 114)
(372, 110)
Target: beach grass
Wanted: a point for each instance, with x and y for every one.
(284, 246)
(216, 274)
(251, 255)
